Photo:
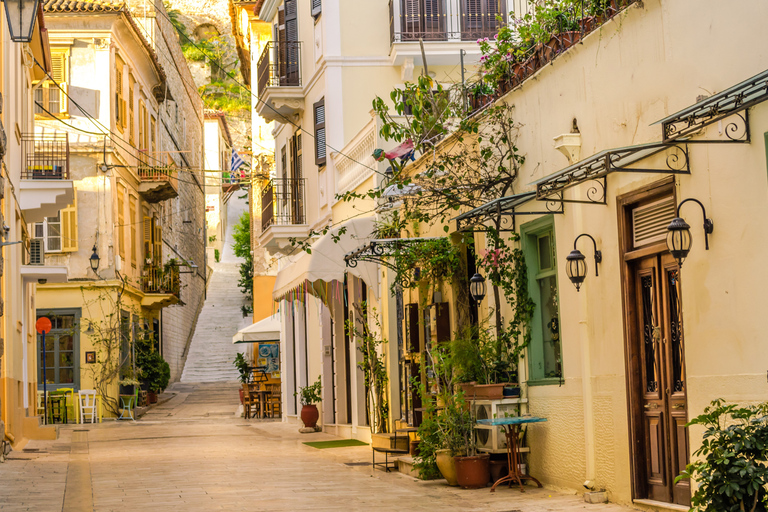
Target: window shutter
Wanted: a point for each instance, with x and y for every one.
(131, 123)
(152, 136)
(148, 232)
(119, 107)
(121, 221)
(158, 245)
(433, 18)
(317, 8)
(36, 254)
(411, 15)
(132, 222)
(59, 59)
(494, 8)
(69, 226)
(320, 149)
(281, 23)
(291, 22)
(650, 221)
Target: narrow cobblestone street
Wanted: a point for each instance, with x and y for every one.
(192, 453)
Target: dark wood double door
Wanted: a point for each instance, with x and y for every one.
(657, 379)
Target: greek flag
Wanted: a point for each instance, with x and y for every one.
(235, 163)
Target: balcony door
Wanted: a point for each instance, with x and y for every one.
(478, 18)
(288, 44)
(423, 19)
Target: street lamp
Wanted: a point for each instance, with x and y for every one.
(477, 287)
(576, 262)
(679, 237)
(94, 259)
(21, 15)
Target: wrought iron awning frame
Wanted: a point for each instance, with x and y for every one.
(505, 210)
(596, 168)
(733, 101)
(379, 251)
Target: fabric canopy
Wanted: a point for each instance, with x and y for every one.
(267, 329)
(326, 261)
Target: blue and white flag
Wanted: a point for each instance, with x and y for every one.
(236, 162)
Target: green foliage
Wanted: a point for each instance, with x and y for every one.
(241, 363)
(242, 249)
(216, 255)
(310, 394)
(227, 96)
(373, 365)
(478, 356)
(211, 239)
(732, 474)
(153, 369)
(430, 440)
(437, 259)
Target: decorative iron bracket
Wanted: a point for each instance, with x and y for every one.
(503, 209)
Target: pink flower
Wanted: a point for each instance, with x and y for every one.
(479, 41)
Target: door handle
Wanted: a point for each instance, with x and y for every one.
(651, 406)
(678, 406)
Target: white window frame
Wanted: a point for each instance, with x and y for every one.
(46, 236)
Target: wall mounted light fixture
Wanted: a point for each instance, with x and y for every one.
(679, 237)
(576, 262)
(477, 287)
(94, 259)
(21, 16)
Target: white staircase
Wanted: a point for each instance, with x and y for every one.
(211, 351)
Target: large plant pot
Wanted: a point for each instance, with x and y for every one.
(446, 465)
(151, 397)
(309, 415)
(489, 391)
(127, 390)
(473, 472)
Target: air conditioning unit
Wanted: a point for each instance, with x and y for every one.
(493, 439)
(36, 252)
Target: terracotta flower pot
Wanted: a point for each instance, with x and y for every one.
(446, 466)
(568, 39)
(310, 415)
(473, 472)
(152, 397)
(489, 391)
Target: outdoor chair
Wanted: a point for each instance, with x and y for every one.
(87, 403)
(274, 403)
(251, 400)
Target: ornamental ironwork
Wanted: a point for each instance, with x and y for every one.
(731, 103)
(382, 251)
(593, 170)
(504, 210)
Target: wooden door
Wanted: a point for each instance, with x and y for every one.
(662, 438)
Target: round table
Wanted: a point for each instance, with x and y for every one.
(512, 426)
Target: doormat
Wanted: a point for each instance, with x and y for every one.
(341, 443)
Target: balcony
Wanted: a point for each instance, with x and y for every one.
(162, 286)
(45, 186)
(283, 214)
(443, 24)
(279, 81)
(157, 177)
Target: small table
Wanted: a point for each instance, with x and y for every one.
(128, 402)
(262, 402)
(512, 426)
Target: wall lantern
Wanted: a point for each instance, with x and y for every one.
(679, 237)
(576, 262)
(21, 16)
(477, 287)
(94, 259)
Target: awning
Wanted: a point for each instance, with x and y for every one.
(733, 101)
(267, 329)
(595, 168)
(326, 261)
(505, 209)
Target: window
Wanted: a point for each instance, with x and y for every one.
(152, 134)
(153, 241)
(317, 8)
(319, 110)
(545, 350)
(62, 365)
(48, 96)
(142, 125)
(121, 220)
(131, 118)
(59, 233)
(132, 222)
(120, 121)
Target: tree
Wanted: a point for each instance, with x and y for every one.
(242, 249)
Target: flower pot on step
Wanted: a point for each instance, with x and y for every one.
(568, 39)
(310, 415)
(447, 467)
(473, 472)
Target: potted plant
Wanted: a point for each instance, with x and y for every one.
(244, 370)
(309, 396)
(157, 372)
(472, 469)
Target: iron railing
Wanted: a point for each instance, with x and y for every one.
(154, 166)
(156, 279)
(45, 156)
(279, 65)
(283, 203)
(444, 20)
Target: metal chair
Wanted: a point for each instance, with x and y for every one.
(87, 403)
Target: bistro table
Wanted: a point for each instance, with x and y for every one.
(512, 426)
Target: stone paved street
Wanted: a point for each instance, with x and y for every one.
(192, 453)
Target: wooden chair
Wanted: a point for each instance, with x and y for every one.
(274, 402)
(251, 400)
(87, 403)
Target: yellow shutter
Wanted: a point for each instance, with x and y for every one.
(69, 227)
(60, 73)
(121, 221)
(148, 224)
(132, 222)
(119, 102)
(131, 123)
(158, 245)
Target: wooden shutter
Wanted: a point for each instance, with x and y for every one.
(131, 119)
(60, 73)
(142, 126)
(493, 9)
(119, 103)
(121, 221)
(472, 16)
(317, 8)
(132, 222)
(650, 221)
(411, 16)
(291, 21)
(153, 135)
(149, 223)
(69, 226)
(281, 23)
(320, 148)
(158, 241)
(433, 19)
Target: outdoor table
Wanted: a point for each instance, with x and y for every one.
(512, 426)
(262, 402)
(128, 403)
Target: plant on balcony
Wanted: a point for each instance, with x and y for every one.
(731, 471)
(171, 277)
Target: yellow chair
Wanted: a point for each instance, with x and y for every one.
(73, 411)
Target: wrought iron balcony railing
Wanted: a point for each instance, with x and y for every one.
(279, 65)
(444, 20)
(156, 279)
(154, 166)
(282, 203)
(45, 156)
